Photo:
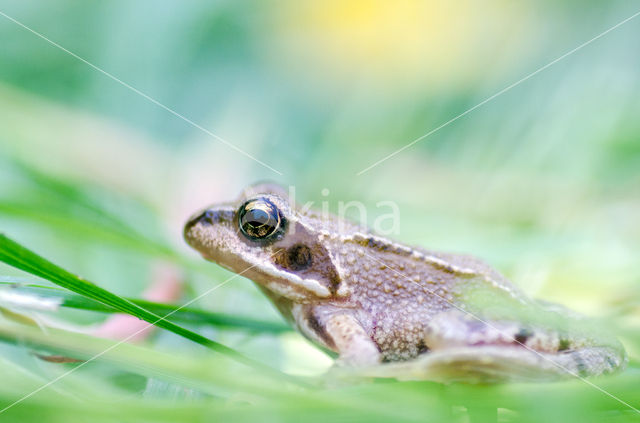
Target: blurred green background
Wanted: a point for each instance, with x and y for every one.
(543, 181)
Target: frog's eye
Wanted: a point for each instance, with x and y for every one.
(259, 219)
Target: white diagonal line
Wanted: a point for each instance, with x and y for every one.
(140, 93)
(51, 382)
(504, 90)
(507, 335)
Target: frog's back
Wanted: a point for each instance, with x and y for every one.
(420, 301)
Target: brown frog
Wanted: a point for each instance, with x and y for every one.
(394, 310)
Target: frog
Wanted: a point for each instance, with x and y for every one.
(386, 309)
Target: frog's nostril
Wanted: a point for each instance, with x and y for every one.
(208, 217)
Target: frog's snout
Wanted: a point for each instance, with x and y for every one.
(203, 217)
(189, 232)
(207, 218)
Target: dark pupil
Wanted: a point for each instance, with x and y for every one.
(259, 219)
(256, 218)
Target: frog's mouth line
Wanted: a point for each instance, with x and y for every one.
(278, 281)
(287, 284)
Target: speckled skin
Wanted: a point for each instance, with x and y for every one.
(443, 316)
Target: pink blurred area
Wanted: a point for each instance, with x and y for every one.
(166, 287)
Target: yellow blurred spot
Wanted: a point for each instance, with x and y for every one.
(404, 42)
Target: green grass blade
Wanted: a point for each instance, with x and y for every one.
(186, 314)
(20, 257)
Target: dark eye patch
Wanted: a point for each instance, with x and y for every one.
(299, 257)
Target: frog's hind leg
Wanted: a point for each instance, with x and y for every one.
(489, 364)
(465, 348)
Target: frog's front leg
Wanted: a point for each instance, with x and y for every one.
(354, 346)
(340, 332)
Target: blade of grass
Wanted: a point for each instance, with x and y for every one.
(186, 314)
(93, 230)
(196, 370)
(22, 258)
(59, 202)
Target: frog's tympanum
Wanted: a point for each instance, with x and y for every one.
(391, 309)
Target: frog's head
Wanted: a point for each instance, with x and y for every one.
(261, 236)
